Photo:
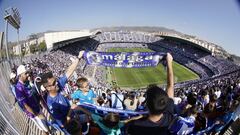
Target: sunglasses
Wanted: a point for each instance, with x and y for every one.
(54, 83)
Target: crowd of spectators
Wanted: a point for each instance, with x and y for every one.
(200, 69)
(216, 65)
(206, 105)
(127, 36)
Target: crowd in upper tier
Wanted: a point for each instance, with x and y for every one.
(62, 83)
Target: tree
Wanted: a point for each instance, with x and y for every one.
(32, 48)
(32, 36)
(3, 53)
(42, 46)
(23, 51)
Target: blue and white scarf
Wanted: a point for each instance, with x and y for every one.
(124, 59)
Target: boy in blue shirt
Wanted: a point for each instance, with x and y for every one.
(83, 93)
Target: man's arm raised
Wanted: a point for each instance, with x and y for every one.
(170, 81)
(72, 67)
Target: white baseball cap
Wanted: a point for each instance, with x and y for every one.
(21, 69)
(12, 75)
(42, 88)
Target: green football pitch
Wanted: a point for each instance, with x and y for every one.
(141, 77)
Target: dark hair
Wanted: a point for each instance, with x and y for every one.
(213, 98)
(132, 95)
(204, 93)
(111, 120)
(108, 90)
(192, 110)
(156, 100)
(209, 108)
(104, 96)
(191, 99)
(73, 127)
(45, 77)
(13, 81)
(80, 81)
(100, 101)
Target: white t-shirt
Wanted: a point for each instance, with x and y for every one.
(141, 99)
(128, 105)
(177, 100)
(218, 93)
(116, 103)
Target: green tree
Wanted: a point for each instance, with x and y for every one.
(23, 51)
(42, 46)
(32, 48)
(3, 53)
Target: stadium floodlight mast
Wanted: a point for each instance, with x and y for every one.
(12, 17)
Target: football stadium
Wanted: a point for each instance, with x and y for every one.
(198, 71)
(142, 77)
(116, 81)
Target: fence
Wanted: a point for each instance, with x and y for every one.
(12, 120)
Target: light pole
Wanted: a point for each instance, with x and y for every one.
(1, 46)
(13, 18)
(6, 39)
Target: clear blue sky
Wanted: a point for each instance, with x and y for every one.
(217, 21)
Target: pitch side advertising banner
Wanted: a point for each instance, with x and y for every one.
(123, 59)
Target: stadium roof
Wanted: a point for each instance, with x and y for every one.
(64, 37)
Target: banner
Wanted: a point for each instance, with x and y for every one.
(123, 59)
(104, 110)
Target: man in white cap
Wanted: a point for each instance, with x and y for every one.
(28, 100)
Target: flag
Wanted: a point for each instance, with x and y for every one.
(124, 59)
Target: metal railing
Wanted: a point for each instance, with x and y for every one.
(13, 120)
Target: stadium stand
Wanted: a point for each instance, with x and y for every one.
(213, 98)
